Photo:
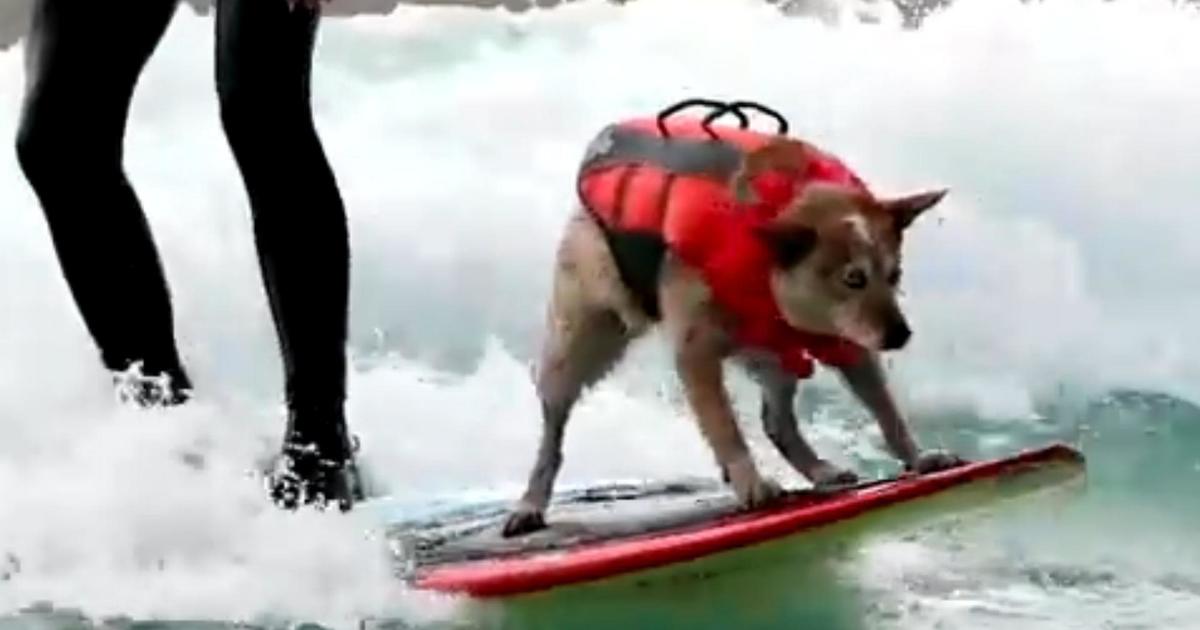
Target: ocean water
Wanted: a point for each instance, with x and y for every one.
(1052, 294)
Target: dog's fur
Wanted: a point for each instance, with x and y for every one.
(837, 254)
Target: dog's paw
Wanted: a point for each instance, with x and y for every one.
(758, 494)
(523, 520)
(750, 488)
(768, 491)
(827, 476)
(934, 461)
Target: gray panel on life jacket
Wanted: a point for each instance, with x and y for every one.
(715, 159)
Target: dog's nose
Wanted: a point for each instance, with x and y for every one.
(897, 335)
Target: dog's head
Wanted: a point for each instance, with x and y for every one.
(837, 253)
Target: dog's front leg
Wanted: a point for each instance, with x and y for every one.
(701, 346)
(866, 379)
(701, 371)
(780, 425)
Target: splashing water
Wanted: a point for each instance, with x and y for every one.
(1050, 294)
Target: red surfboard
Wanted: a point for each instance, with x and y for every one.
(493, 571)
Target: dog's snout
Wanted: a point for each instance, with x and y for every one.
(897, 336)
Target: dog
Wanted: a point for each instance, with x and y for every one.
(756, 248)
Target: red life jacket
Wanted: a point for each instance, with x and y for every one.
(675, 189)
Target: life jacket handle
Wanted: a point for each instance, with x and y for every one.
(736, 108)
(721, 108)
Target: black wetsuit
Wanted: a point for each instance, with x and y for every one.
(84, 60)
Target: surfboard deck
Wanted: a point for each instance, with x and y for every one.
(606, 531)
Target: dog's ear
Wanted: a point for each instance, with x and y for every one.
(789, 243)
(790, 156)
(906, 209)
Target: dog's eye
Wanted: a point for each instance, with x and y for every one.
(855, 278)
(894, 277)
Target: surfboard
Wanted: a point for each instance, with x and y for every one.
(619, 529)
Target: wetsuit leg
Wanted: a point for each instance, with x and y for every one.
(83, 61)
(264, 55)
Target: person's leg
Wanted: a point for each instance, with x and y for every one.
(83, 61)
(264, 56)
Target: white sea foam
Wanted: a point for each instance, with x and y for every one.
(1066, 132)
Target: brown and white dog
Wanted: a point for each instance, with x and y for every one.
(680, 229)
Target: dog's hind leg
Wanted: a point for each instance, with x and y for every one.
(586, 336)
(576, 356)
(780, 424)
